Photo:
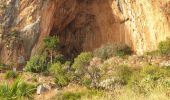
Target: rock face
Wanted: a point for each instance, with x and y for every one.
(81, 25)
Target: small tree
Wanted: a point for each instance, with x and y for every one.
(51, 43)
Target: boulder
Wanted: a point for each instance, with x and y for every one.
(41, 89)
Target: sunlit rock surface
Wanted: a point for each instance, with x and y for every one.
(81, 25)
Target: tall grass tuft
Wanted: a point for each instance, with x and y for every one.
(19, 90)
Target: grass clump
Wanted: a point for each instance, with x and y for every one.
(11, 75)
(110, 50)
(81, 94)
(19, 90)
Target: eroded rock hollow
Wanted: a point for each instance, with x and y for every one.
(82, 25)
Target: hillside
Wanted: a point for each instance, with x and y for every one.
(84, 49)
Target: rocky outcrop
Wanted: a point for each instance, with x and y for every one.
(83, 25)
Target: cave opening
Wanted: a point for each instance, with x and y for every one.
(85, 26)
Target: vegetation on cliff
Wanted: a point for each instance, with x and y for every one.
(94, 75)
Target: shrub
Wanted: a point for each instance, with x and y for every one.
(55, 68)
(19, 90)
(124, 73)
(61, 74)
(11, 75)
(81, 63)
(118, 76)
(150, 78)
(59, 58)
(2, 66)
(164, 46)
(51, 42)
(110, 50)
(84, 73)
(37, 64)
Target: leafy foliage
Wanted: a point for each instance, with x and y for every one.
(150, 78)
(2, 66)
(61, 74)
(164, 47)
(123, 72)
(51, 42)
(82, 62)
(110, 50)
(36, 64)
(59, 58)
(19, 90)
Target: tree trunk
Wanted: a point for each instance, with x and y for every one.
(51, 56)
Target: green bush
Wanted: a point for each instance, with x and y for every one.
(19, 90)
(37, 64)
(11, 75)
(86, 81)
(51, 42)
(164, 47)
(114, 76)
(149, 78)
(81, 63)
(123, 72)
(59, 58)
(110, 50)
(2, 66)
(84, 74)
(61, 74)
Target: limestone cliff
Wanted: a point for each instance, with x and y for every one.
(82, 25)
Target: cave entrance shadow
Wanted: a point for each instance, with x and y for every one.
(85, 26)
